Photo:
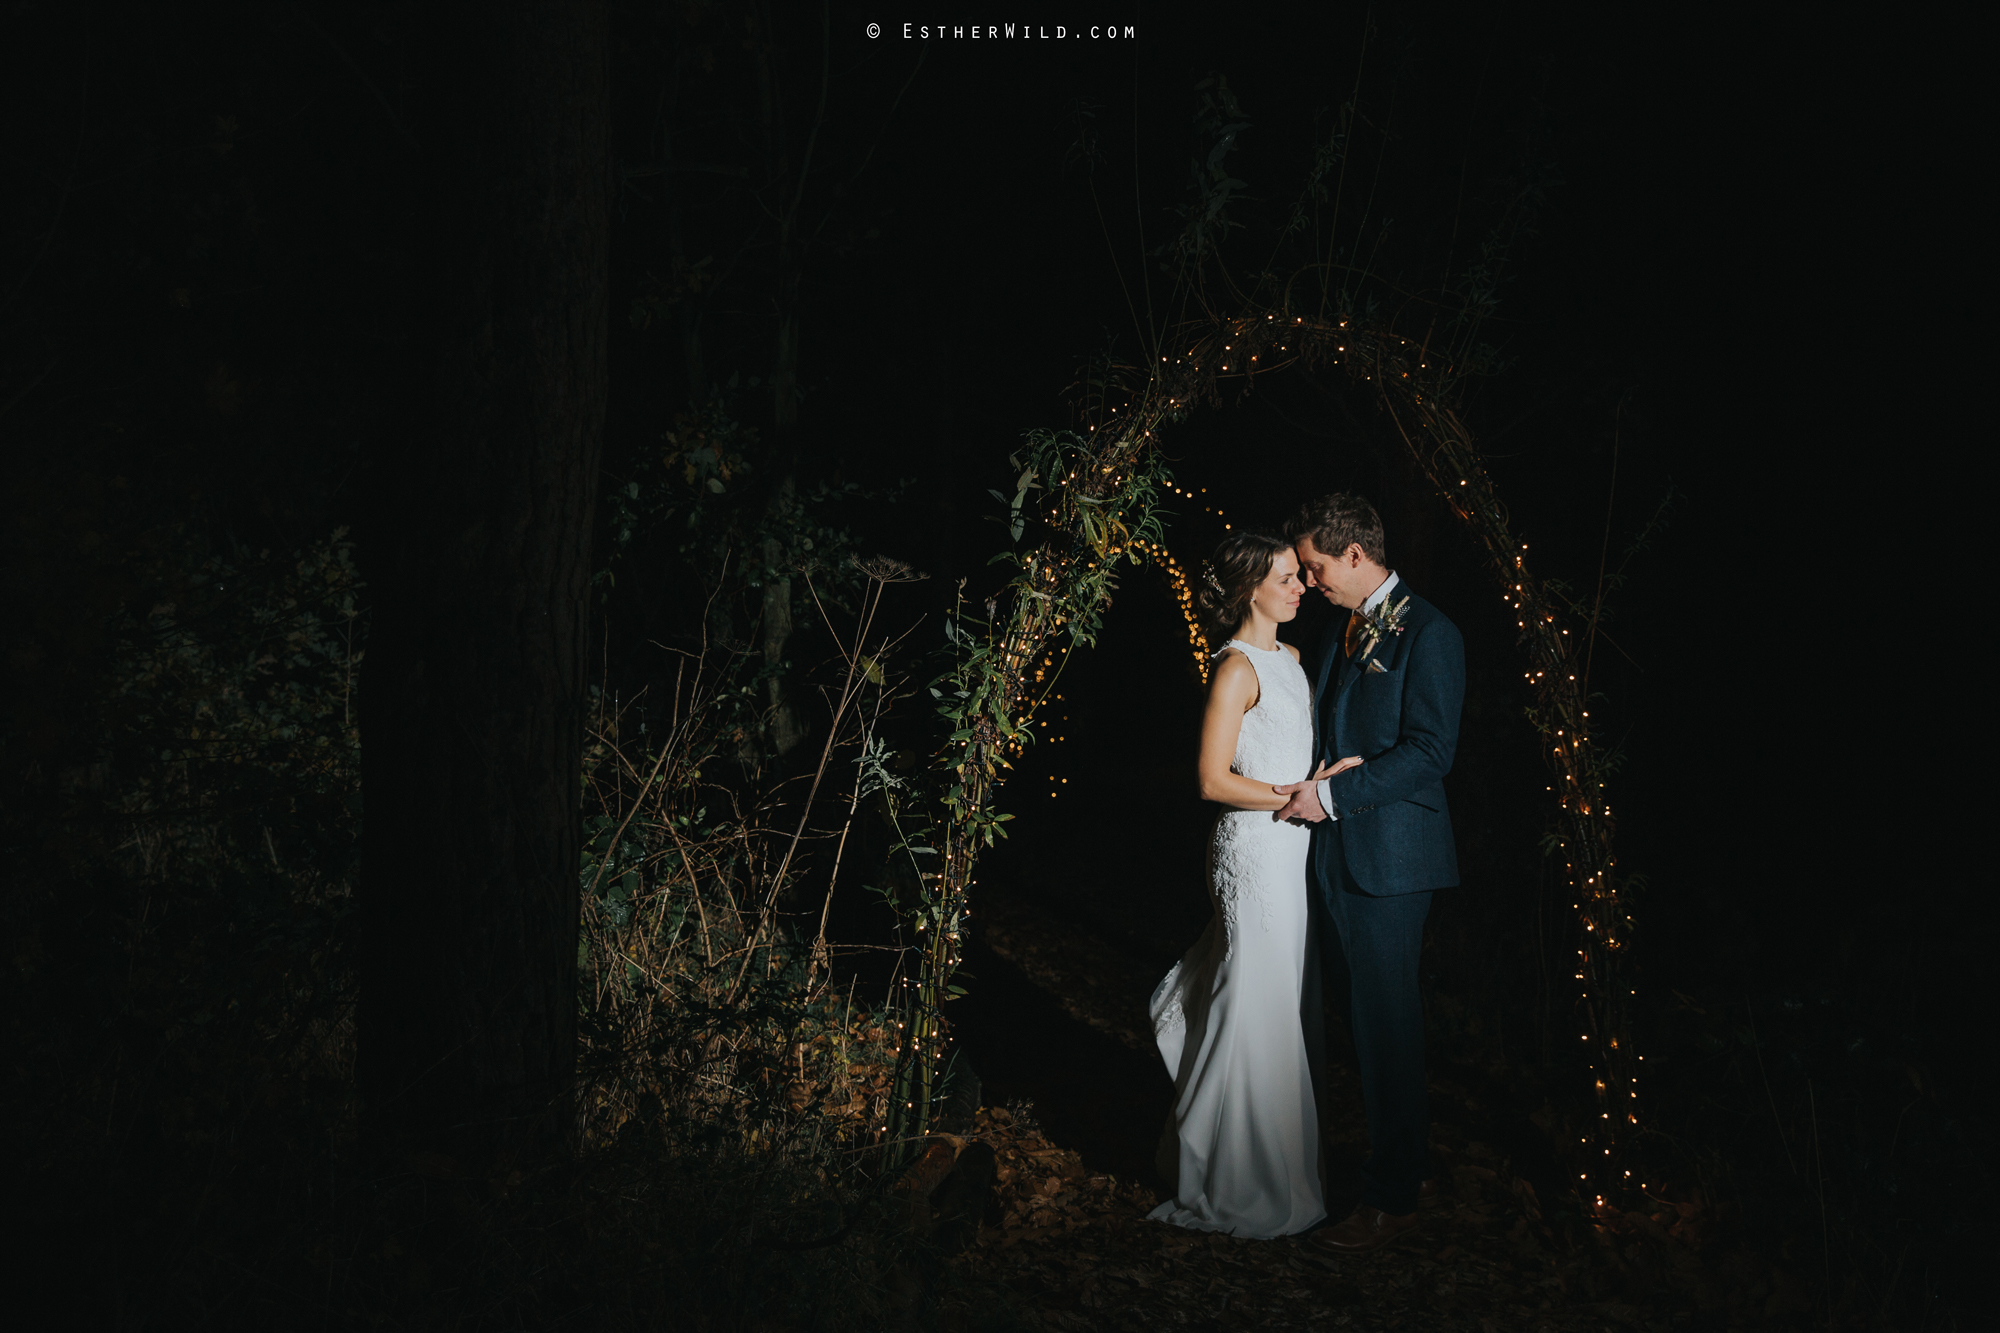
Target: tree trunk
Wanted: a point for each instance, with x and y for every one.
(783, 729)
(688, 304)
(474, 689)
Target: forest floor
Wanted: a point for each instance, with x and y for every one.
(1066, 1247)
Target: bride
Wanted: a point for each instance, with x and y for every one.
(1242, 1145)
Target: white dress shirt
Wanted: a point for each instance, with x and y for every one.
(1367, 609)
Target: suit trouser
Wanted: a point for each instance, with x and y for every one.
(1376, 943)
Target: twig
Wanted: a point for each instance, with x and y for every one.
(32, 384)
(849, 689)
(833, 879)
(1757, 1048)
(1346, 151)
(1825, 1240)
(619, 835)
(388, 109)
(1604, 552)
(694, 889)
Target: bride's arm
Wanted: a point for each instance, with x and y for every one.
(1230, 694)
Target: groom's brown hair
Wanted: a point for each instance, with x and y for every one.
(1338, 521)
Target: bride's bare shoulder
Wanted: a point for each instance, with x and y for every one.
(1233, 677)
(1293, 651)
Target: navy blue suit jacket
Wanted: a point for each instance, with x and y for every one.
(1393, 834)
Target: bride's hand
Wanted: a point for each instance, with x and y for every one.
(1328, 770)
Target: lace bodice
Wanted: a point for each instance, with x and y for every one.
(1275, 744)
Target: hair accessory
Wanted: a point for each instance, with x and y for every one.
(1208, 577)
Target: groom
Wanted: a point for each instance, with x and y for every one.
(1387, 686)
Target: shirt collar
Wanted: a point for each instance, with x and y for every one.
(1375, 598)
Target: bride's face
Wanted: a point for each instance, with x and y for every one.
(1277, 597)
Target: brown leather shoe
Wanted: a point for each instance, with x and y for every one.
(1366, 1228)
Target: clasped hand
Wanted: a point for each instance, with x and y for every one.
(1303, 803)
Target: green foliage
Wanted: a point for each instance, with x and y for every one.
(692, 488)
(1218, 120)
(706, 499)
(180, 913)
(1097, 509)
(230, 801)
(722, 532)
(1096, 514)
(238, 739)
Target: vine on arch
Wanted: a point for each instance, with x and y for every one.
(1093, 500)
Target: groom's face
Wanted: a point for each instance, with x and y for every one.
(1338, 579)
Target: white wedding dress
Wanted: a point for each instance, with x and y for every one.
(1242, 1145)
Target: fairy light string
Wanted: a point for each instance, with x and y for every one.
(1097, 498)
(1184, 602)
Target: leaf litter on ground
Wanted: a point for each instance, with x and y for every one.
(1074, 1249)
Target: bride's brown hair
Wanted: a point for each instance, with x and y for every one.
(1241, 561)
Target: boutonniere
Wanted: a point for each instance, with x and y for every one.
(1386, 619)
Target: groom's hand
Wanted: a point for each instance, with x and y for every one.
(1304, 803)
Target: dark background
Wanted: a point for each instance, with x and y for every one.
(1753, 264)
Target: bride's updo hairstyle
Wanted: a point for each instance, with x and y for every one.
(1241, 561)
